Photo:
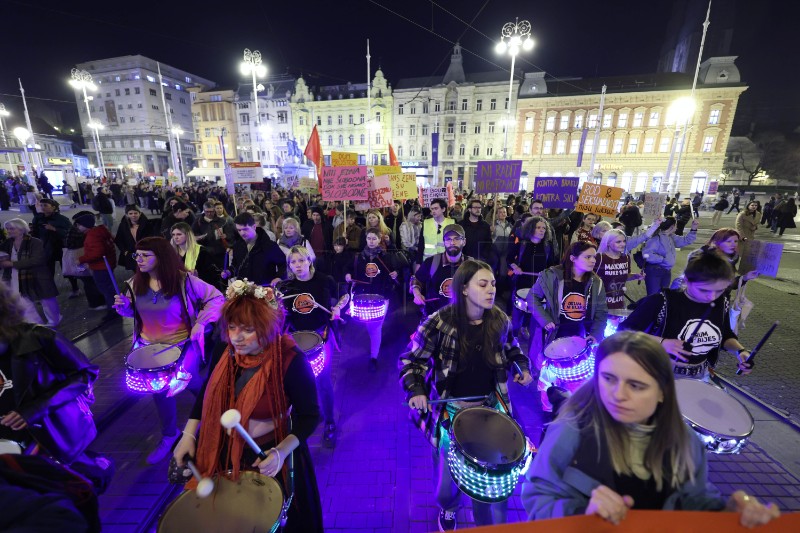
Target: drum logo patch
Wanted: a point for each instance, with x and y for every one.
(706, 339)
(5, 383)
(573, 306)
(303, 303)
(444, 288)
(372, 270)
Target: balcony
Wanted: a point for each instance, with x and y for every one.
(449, 136)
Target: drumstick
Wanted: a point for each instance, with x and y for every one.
(111, 275)
(205, 486)
(528, 274)
(752, 356)
(318, 306)
(359, 282)
(168, 348)
(387, 269)
(687, 344)
(231, 419)
(460, 399)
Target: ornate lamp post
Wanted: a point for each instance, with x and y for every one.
(80, 79)
(252, 65)
(514, 36)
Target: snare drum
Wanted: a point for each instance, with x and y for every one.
(254, 503)
(570, 359)
(10, 447)
(488, 452)
(721, 421)
(520, 300)
(615, 318)
(311, 344)
(164, 372)
(368, 307)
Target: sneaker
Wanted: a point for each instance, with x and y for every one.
(329, 436)
(447, 520)
(163, 449)
(373, 364)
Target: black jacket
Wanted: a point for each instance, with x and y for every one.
(127, 244)
(263, 263)
(479, 240)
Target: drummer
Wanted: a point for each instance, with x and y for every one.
(168, 306)
(262, 375)
(373, 273)
(620, 443)
(464, 349)
(568, 300)
(693, 323)
(431, 284)
(302, 293)
(533, 252)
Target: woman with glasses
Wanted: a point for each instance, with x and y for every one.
(169, 305)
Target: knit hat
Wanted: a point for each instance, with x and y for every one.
(85, 219)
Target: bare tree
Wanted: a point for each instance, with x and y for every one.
(763, 153)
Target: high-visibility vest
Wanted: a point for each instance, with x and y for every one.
(434, 239)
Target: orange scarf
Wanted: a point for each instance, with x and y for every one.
(221, 396)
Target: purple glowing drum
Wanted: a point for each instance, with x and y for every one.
(157, 368)
(312, 345)
(368, 307)
(570, 360)
(615, 318)
(521, 300)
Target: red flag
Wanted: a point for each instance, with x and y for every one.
(313, 151)
(392, 158)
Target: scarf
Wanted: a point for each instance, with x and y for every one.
(285, 241)
(372, 253)
(221, 396)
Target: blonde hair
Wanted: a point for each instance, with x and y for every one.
(381, 224)
(599, 226)
(605, 242)
(302, 251)
(17, 223)
(192, 248)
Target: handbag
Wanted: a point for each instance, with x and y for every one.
(70, 266)
(740, 308)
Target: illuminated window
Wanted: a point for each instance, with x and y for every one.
(607, 120)
(633, 146)
(561, 147)
(649, 144)
(578, 122)
(528, 123)
(564, 122)
(592, 121)
(622, 121)
(526, 147)
(574, 146)
(654, 116)
(617, 146)
(550, 124)
(713, 117)
(637, 120)
(548, 147)
(708, 143)
(602, 147)
(664, 146)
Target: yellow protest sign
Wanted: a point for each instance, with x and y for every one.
(599, 199)
(344, 159)
(383, 170)
(159, 181)
(404, 185)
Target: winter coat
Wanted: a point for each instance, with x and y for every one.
(747, 225)
(127, 244)
(785, 214)
(35, 281)
(98, 243)
(660, 249)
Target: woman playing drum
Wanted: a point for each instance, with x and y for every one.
(462, 350)
(620, 443)
(692, 324)
(305, 291)
(262, 375)
(169, 305)
(374, 274)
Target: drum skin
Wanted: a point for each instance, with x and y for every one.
(521, 300)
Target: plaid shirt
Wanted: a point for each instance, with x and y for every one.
(430, 364)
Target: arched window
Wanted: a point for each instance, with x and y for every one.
(341, 140)
(462, 150)
(399, 151)
(330, 140)
(450, 150)
(363, 139)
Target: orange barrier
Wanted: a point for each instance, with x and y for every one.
(647, 522)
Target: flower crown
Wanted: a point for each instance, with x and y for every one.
(243, 287)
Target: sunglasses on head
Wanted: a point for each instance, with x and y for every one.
(438, 229)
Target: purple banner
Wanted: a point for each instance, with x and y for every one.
(713, 187)
(556, 193)
(497, 176)
(434, 149)
(583, 144)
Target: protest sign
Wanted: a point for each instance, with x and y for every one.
(248, 172)
(428, 194)
(654, 204)
(599, 199)
(404, 185)
(383, 170)
(713, 187)
(765, 257)
(344, 159)
(344, 183)
(497, 176)
(158, 182)
(380, 192)
(292, 181)
(308, 184)
(556, 193)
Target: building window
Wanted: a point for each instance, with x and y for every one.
(622, 121)
(463, 127)
(122, 120)
(578, 122)
(490, 151)
(151, 79)
(589, 146)
(550, 124)
(637, 119)
(708, 143)
(493, 104)
(424, 107)
(528, 123)
(412, 152)
(412, 109)
(649, 144)
(423, 152)
(451, 106)
(400, 109)
(633, 146)
(412, 130)
(476, 150)
(653, 119)
(153, 92)
(664, 146)
(339, 120)
(301, 121)
(574, 146)
(592, 121)
(451, 127)
(713, 117)
(245, 118)
(506, 104)
(168, 96)
(330, 120)
(479, 105)
(617, 146)
(437, 107)
(330, 140)
(548, 147)
(138, 106)
(449, 150)
(462, 150)
(137, 90)
(464, 105)
(561, 147)
(400, 132)
(350, 119)
(362, 139)
(377, 138)
(155, 107)
(341, 140)
(477, 129)
(607, 120)
(602, 146)
(361, 118)
(526, 147)
(127, 92)
(378, 116)
(564, 122)
(424, 129)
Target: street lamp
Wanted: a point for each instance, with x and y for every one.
(252, 65)
(4, 113)
(80, 79)
(177, 131)
(679, 112)
(23, 135)
(513, 37)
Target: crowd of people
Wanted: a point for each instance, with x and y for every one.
(241, 282)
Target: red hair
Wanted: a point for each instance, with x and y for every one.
(247, 310)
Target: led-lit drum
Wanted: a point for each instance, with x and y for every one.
(311, 344)
(615, 318)
(488, 453)
(520, 300)
(570, 361)
(368, 307)
(147, 370)
(721, 421)
(9, 447)
(254, 503)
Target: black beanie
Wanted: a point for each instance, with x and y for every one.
(86, 220)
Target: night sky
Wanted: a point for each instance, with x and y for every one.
(326, 42)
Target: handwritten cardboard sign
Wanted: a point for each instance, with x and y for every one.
(383, 170)
(764, 256)
(599, 199)
(404, 185)
(344, 159)
(247, 172)
(309, 184)
(497, 176)
(556, 193)
(654, 204)
(380, 192)
(344, 183)
(428, 194)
